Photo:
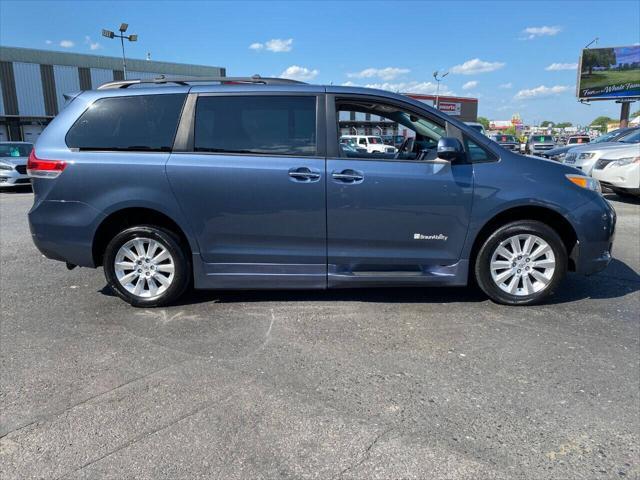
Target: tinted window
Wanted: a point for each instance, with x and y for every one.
(137, 123)
(633, 137)
(477, 153)
(258, 124)
(15, 149)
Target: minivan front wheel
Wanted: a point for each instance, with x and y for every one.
(146, 266)
(521, 263)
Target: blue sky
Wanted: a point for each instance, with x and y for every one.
(514, 56)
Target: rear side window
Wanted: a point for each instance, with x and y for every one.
(136, 123)
(276, 125)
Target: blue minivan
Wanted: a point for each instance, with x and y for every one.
(241, 183)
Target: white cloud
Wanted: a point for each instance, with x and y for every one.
(66, 44)
(426, 88)
(295, 72)
(561, 66)
(388, 73)
(505, 85)
(471, 67)
(470, 85)
(544, 31)
(92, 45)
(276, 45)
(48, 42)
(541, 91)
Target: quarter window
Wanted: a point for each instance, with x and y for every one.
(476, 153)
(277, 125)
(133, 123)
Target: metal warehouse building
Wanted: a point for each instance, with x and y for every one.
(33, 82)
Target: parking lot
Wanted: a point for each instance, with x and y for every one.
(387, 383)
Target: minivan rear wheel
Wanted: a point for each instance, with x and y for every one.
(521, 263)
(146, 266)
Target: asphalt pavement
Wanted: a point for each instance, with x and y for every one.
(378, 383)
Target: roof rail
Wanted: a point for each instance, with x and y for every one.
(162, 79)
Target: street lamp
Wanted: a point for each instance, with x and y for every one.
(438, 80)
(121, 36)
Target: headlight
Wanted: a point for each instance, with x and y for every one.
(586, 156)
(626, 161)
(585, 182)
(6, 166)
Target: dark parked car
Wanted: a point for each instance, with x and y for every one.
(243, 185)
(510, 142)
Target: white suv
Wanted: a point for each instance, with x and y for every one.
(584, 158)
(619, 170)
(373, 143)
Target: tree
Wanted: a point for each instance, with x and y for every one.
(484, 121)
(598, 57)
(511, 130)
(635, 114)
(564, 125)
(546, 123)
(602, 122)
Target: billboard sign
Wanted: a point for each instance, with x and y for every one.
(609, 73)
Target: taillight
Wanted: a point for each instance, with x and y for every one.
(39, 168)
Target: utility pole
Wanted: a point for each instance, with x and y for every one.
(438, 80)
(132, 38)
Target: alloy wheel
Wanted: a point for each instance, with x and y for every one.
(144, 267)
(522, 265)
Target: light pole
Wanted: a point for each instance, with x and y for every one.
(121, 36)
(438, 80)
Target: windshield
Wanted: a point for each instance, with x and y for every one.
(15, 149)
(542, 139)
(578, 140)
(606, 137)
(375, 140)
(476, 127)
(505, 138)
(633, 137)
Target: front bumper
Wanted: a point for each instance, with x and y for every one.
(595, 224)
(13, 178)
(625, 176)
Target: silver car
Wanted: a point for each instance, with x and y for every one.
(584, 158)
(13, 164)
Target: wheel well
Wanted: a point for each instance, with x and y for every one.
(541, 214)
(128, 217)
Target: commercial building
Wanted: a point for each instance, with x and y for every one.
(355, 123)
(33, 83)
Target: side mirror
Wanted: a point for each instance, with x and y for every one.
(450, 149)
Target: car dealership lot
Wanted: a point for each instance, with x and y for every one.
(390, 383)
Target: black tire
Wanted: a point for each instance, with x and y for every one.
(482, 269)
(167, 239)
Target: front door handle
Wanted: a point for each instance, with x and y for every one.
(348, 176)
(304, 174)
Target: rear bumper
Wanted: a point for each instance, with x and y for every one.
(63, 230)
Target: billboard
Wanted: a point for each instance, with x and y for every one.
(609, 73)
